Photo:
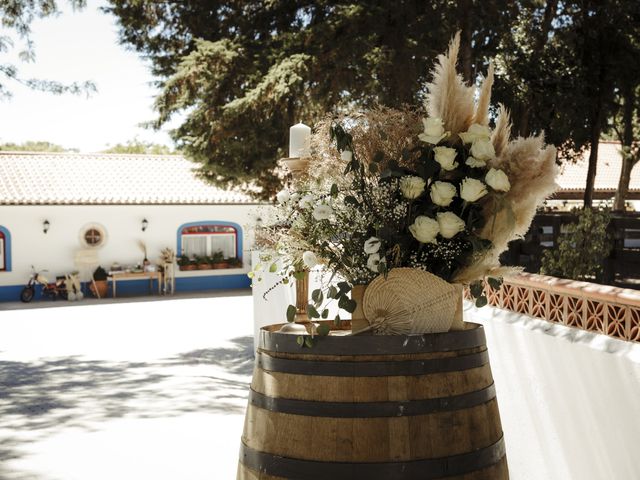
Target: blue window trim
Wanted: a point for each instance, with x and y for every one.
(7, 249)
(239, 235)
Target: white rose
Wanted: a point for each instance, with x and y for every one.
(346, 155)
(322, 212)
(424, 229)
(472, 189)
(283, 196)
(445, 156)
(482, 149)
(412, 187)
(475, 132)
(498, 180)
(450, 224)
(372, 245)
(374, 261)
(309, 259)
(306, 201)
(475, 163)
(442, 193)
(433, 131)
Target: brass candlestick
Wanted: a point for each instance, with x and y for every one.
(297, 168)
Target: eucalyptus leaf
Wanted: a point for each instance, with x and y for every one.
(481, 301)
(312, 312)
(308, 341)
(317, 297)
(334, 190)
(291, 313)
(494, 282)
(332, 292)
(323, 329)
(325, 313)
(476, 288)
(273, 268)
(337, 321)
(300, 340)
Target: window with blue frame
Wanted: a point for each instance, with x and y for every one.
(206, 239)
(5, 250)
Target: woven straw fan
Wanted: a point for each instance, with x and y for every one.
(409, 301)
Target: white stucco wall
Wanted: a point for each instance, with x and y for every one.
(55, 251)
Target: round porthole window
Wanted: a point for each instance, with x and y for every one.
(93, 236)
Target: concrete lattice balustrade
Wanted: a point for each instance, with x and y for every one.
(596, 308)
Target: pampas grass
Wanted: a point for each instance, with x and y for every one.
(449, 98)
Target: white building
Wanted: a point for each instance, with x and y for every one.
(56, 208)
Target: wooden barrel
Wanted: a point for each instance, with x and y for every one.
(401, 407)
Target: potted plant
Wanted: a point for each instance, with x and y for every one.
(185, 263)
(99, 287)
(203, 263)
(235, 262)
(218, 261)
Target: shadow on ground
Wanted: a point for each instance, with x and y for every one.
(39, 398)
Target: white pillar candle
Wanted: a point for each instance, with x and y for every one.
(299, 141)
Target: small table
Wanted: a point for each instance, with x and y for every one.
(136, 275)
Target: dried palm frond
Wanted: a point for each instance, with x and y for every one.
(143, 247)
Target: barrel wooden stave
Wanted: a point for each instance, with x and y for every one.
(438, 434)
(370, 389)
(497, 471)
(372, 439)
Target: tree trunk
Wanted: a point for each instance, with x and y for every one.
(596, 129)
(628, 159)
(465, 10)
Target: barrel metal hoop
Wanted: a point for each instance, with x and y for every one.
(376, 344)
(372, 409)
(371, 369)
(428, 469)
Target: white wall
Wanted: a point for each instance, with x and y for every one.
(55, 250)
(568, 398)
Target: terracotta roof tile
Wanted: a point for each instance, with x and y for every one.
(573, 177)
(28, 178)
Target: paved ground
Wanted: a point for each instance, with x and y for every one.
(126, 391)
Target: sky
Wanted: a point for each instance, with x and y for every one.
(79, 46)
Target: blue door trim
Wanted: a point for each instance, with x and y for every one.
(7, 249)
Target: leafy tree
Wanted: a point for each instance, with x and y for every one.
(17, 16)
(34, 146)
(582, 249)
(138, 146)
(244, 72)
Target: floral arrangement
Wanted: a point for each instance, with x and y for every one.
(437, 190)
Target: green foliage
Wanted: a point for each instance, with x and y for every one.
(34, 146)
(17, 16)
(582, 249)
(140, 147)
(244, 72)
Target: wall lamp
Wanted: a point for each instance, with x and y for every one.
(145, 224)
(45, 226)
